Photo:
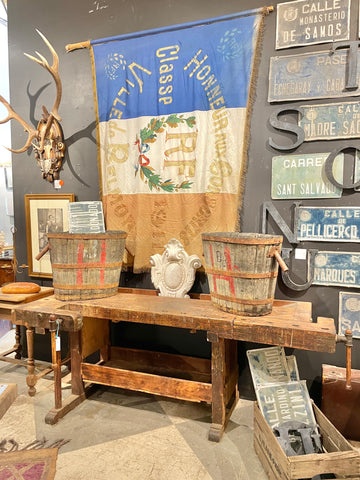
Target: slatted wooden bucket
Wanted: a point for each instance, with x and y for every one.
(242, 271)
(86, 265)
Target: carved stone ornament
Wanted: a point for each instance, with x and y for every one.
(173, 272)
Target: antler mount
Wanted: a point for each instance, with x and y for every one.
(47, 139)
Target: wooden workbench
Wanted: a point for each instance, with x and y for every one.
(213, 381)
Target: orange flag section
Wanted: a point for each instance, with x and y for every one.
(152, 220)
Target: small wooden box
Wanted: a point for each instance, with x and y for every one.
(341, 459)
(8, 393)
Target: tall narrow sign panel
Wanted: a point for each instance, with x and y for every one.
(349, 313)
(172, 109)
(310, 75)
(307, 22)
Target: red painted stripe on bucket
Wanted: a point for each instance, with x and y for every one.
(229, 267)
(102, 261)
(80, 259)
(228, 278)
(212, 264)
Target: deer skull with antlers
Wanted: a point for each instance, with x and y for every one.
(47, 138)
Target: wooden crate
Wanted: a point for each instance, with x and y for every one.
(341, 459)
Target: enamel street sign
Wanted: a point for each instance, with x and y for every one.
(349, 313)
(330, 122)
(308, 22)
(337, 269)
(310, 75)
(283, 402)
(302, 176)
(328, 224)
(268, 365)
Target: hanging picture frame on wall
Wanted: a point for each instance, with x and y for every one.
(44, 214)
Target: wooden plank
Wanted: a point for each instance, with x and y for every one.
(268, 466)
(289, 324)
(94, 336)
(341, 444)
(160, 363)
(37, 313)
(339, 463)
(156, 310)
(54, 415)
(8, 393)
(25, 297)
(267, 443)
(286, 332)
(148, 291)
(218, 405)
(144, 382)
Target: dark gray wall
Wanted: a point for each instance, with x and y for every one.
(30, 87)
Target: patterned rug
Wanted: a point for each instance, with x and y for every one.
(28, 464)
(35, 461)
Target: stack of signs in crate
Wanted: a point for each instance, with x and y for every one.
(284, 400)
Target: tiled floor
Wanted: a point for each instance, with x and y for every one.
(121, 435)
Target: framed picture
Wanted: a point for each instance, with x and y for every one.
(44, 213)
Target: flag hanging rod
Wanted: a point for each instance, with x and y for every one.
(87, 43)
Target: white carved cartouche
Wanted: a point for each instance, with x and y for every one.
(173, 272)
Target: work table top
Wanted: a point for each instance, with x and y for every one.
(290, 323)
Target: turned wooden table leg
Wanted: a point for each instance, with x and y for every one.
(31, 378)
(17, 346)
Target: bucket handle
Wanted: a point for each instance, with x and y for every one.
(43, 251)
(274, 252)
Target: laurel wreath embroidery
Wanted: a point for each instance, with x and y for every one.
(149, 135)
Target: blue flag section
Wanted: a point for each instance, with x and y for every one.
(173, 117)
(178, 71)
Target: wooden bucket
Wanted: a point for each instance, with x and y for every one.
(242, 270)
(86, 265)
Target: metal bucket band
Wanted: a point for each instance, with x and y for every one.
(232, 273)
(244, 241)
(265, 301)
(86, 265)
(85, 286)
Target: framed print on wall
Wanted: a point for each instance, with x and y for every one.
(44, 213)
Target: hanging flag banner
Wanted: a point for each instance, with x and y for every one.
(349, 313)
(308, 22)
(173, 108)
(330, 122)
(302, 176)
(337, 269)
(311, 75)
(328, 224)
